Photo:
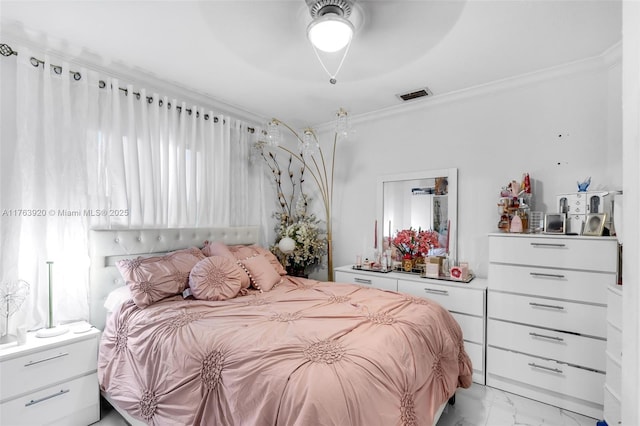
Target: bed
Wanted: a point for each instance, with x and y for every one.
(301, 352)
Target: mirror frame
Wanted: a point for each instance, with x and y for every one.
(452, 206)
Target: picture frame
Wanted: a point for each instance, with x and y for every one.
(594, 224)
(555, 223)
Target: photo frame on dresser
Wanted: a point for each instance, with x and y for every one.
(555, 223)
(594, 224)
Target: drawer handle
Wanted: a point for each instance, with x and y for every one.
(30, 363)
(559, 339)
(555, 370)
(548, 245)
(542, 305)
(362, 281)
(541, 275)
(436, 291)
(37, 401)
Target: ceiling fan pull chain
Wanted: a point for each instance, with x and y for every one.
(332, 77)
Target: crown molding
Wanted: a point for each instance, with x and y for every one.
(610, 58)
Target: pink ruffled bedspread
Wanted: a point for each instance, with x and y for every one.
(305, 353)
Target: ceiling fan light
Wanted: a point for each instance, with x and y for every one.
(330, 32)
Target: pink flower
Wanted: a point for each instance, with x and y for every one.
(415, 243)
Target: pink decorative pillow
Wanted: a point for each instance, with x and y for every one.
(154, 278)
(262, 275)
(243, 252)
(217, 248)
(272, 259)
(216, 278)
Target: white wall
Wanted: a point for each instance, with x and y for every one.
(560, 126)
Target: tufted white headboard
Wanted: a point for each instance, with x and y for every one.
(107, 246)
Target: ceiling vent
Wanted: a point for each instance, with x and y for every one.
(420, 93)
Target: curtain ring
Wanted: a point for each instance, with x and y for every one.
(57, 69)
(149, 100)
(35, 62)
(206, 116)
(215, 119)
(160, 102)
(169, 105)
(77, 76)
(137, 96)
(102, 84)
(197, 114)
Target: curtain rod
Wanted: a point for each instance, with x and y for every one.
(6, 50)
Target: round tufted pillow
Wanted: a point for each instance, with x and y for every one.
(216, 278)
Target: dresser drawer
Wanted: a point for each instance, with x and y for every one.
(452, 298)
(589, 254)
(566, 284)
(39, 369)
(564, 347)
(71, 403)
(549, 375)
(475, 352)
(550, 313)
(370, 280)
(472, 327)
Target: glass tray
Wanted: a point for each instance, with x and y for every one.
(370, 269)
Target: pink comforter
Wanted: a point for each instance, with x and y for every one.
(305, 353)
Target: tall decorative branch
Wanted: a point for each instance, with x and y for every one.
(321, 171)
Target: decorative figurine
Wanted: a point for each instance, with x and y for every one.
(582, 186)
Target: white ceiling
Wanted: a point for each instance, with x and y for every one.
(255, 55)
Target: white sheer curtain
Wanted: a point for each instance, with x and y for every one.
(82, 153)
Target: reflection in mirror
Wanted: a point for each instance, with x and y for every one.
(421, 200)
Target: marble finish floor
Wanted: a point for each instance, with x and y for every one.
(477, 406)
(485, 406)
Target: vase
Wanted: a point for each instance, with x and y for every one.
(297, 271)
(407, 263)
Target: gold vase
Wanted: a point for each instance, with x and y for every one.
(407, 264)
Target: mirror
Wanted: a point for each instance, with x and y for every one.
(426, 200)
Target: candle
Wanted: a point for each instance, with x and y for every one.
(375, 235)
(448, 235)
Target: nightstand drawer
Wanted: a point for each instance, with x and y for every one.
(614, 342)
(589, 254)
(42, 368)
(452, 298)
(566, 347)
(558, 283)
(614, 375)
(71, 403)
(614, 306)
(549, 313)
(369, 280)
(612, 408)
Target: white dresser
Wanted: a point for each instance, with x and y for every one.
(613, 381)
(51, 380)
(546, 326)
(465, 301)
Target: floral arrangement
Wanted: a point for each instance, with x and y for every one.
(305, 229)
(294, 220)
(413, 243)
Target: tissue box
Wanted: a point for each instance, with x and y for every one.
(432, 270)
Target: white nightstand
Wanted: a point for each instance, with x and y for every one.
(51, 380)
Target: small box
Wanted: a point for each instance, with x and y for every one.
(432, 270)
